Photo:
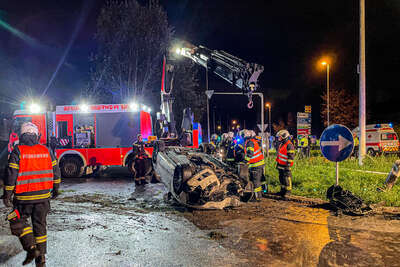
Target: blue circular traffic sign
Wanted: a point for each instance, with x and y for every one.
(337, 143)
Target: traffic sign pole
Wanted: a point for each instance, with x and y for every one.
(337, 173)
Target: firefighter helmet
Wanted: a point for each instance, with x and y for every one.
(284, 134)
(247, 133)
(30, 128)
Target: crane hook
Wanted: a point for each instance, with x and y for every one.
(250, 104)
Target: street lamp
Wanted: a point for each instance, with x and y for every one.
(324, 63)
(234, 122)
(268, 105)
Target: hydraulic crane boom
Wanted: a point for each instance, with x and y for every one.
(232, 69)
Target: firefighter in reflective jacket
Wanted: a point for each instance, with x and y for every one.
(284, 159)
(255, 159)
(32, 174)
(141, 161)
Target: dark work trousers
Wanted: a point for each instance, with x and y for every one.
(140, 167)
(37, 234)
(285, 178)
(256, 174)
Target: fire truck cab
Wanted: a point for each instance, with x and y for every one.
(85, 137)
(380, 139)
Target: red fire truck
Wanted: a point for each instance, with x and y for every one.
(88, 136)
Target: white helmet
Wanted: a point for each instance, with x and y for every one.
(29, 127)
(284, 134)
(247, 133)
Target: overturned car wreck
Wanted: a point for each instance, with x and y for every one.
(198, 180)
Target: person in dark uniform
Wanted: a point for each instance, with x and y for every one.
(141, 156)
(32, 178)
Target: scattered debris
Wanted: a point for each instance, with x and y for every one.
(216, 235)
(347, 202)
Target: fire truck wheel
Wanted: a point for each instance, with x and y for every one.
(71, 167)
(371, 152)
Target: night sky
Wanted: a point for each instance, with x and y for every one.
(287, 37)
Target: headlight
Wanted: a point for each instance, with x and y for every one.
(84, 108)
(35, 108)
(133, 106)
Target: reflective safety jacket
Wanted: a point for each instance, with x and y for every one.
(356, 141)
(303, 142)
(32, 172)
(253, 153)
(285, 155)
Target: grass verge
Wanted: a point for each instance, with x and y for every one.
(313, 176)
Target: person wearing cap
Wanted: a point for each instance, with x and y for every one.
(284, 159)
(32, 178)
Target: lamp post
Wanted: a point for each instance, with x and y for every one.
(362, 94)
(324, 63)
(268, 105)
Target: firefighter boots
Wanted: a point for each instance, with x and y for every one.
(31, 254)
(40, 261)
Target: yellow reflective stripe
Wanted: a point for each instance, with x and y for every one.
(34, 197)
(291, 151)
(26, 231)
(229, 159)
(54, 163)
(258, 189)
(290, 160)
(250, 148)
(57, 181)
(257, 164)
(42, 239)
(13, 165)
(289, 187)
(247, 158)
(9, 187)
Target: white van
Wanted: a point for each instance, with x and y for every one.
(380, 139)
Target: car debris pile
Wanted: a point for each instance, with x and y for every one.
(198, 180)
(346, 202)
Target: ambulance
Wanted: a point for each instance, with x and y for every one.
(380, 139)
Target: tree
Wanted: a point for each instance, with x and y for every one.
(279, 126)
(131, 42)
(343, 108)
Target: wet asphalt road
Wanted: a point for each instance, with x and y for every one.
(108, 222)
(96, 222)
